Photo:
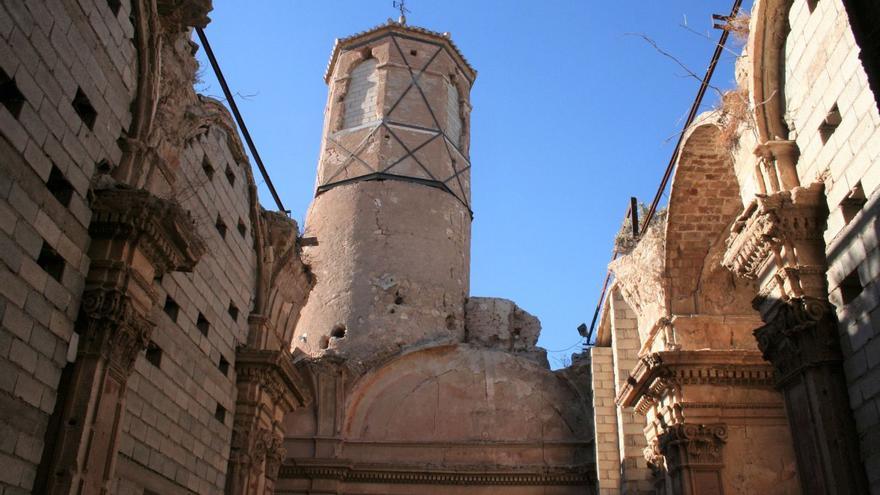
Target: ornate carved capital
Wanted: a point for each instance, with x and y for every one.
(688, 445)
(802, 332)
(112, 328)
(163, 230)
(253, 445)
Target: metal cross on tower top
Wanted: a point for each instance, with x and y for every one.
(401, 6)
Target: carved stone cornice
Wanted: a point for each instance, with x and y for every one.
(112, 328)
(273, 371)
(801, 333)
(772, 222)
(690, 445)
(163, 230)
(658, 373)
(344, 471)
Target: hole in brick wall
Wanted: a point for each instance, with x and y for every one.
(830, 124)
(230, 176)
(242, 228)
(233, 310)
(10, 96)
(171, 308)
(811, 4)
(51, 262)
(84, 109)
(338, 332)
(850, 287)
(104, 167)
(223, 365)
(207, 167)
(398, 299)
(154, 354)
(59, 186)
(114, 5)
(413, 53)
(324, 343)
(220, 413)
(202, 324)
(853, 202)
(221, 227)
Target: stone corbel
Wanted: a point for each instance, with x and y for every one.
(179, 15)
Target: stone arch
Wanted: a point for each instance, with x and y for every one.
(704, 201)
(360, 101)
(769, 31)
(463, 393)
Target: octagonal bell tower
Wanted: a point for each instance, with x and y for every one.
(391, 212)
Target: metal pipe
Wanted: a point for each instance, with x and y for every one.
(232, 106)
(719, 48)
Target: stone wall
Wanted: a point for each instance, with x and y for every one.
(72, 68)
(116, 178)
(181, 405)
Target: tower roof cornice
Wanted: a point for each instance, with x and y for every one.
(395, 27)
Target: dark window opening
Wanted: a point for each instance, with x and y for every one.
(59, 186)
(207, 167)
(851, 287)
(114, 5)
(220, 413)
(413, 53)
(84, 109)
(242, 228)
(203, 325)
(51, 262)
(230, 176)
(221, 227)
(154, 354)
(233, 310)
(830, 124)
(171, 308)
(10, 96)
(853, 202)
(223, 365)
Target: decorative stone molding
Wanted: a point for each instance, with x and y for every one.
(252, 446)
(802, 333)
(785, 228)
(163, 230)
(275, 374)
(691, 445)
(344, 471)
(113, 329)
(659, 373)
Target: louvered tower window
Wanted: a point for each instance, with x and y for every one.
(360, 101)
(453, 115)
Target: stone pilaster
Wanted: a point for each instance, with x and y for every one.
(778, 241)
(135, 237)
(268, 388)
(694, 457)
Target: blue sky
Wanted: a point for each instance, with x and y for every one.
(572, 115)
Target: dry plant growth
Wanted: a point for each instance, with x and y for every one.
(735, 111)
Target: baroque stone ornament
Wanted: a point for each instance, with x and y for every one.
(802, 333)
(113, 329)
